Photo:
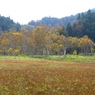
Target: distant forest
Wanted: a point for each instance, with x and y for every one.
(6, 24)
(76, 26)
(73, 34)
(54, 21)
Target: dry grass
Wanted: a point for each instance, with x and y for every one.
(46, 77)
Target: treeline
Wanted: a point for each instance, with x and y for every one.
(76, 26)
(6, 24)
(54, 21)
(45, 41)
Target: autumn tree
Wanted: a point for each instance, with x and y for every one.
(43, 40)
(10, 42)
(86, 44)
(62, 31)
(39, 39)
(4, 43)
(65, 43)
(74, 44)
(24, 42)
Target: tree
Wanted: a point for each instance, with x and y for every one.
(69, 30)
(4, 43)
(65, 43)
(39, 39)
(86, 44)
(84, 25)
(79, 16)
(6, 24)
(74, 44)
(62, 31)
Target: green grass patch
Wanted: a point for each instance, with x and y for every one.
(78, 58)
(72, 58)
(69, 58)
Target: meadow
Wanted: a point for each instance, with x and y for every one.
(47, 75)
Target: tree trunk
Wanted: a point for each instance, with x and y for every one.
(43, 51)
(64, 51)
(47, 51)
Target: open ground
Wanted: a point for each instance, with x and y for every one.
(37, 76)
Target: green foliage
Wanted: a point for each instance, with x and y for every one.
(73, 58)
(92, 50)
(68, 58)
(84, 25)
(54, 21)
(6, 24)
(75, 52)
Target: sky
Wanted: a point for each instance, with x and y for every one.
(23, 11)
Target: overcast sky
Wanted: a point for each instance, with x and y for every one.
(23, 11)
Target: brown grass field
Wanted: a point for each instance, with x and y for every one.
(46, 77)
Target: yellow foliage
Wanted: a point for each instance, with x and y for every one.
(38, 28)
(60, 46)
(13, 51)
(60, 28)
(10, 50)
(55, 47)
(5, 41)
(1, 51)
(75, 52)
(16, 34)
(16, 51)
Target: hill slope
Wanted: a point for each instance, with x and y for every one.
(54, 21)
(6, 24)
(84, 25)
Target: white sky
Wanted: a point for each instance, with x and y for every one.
(23, 11)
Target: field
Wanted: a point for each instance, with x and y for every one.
(73, 75)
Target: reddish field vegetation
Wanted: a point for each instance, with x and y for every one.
(46, 77)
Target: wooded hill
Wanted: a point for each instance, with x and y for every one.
(76, 26)
(84, 25)
(54, 21)
(6, 24)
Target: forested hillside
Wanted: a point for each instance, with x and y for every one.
(57, 21)
(54, 21)
(84, 25)
(6, 24)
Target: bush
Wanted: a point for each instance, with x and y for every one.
(1, 51)
(16, 52)
(75, 52)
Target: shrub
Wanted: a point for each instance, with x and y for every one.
(75, 52)
(16, 52)
(1, 51)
